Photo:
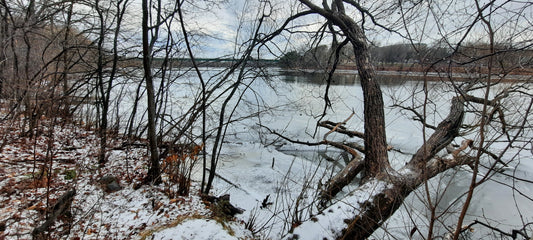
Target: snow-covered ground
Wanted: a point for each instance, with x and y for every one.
(95, 214)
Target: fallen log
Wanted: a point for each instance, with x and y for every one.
(61, 206)
(221, 206)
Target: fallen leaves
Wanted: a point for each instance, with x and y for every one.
(177, 200)
(90, 231)
(38, 207)
(26, 184)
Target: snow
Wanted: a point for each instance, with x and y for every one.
(124, 214)
(331, 220)
(196, 229)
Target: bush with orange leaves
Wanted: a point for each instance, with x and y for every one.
(178, 167)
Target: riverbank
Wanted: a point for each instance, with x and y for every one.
(416, 72)
(36, 173)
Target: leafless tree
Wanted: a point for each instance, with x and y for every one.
(154, 171)
(488, 109)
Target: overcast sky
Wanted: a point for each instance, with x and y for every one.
(225, 26)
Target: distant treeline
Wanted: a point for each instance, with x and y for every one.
(421, 54)
(201, 62)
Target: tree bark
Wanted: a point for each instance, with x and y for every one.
(340, 180)
(374, 212)
(444, 134)
(154, 170)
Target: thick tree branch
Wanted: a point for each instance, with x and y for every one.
(446, 131)
(340, 180)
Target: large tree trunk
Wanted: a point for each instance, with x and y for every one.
(376, 158)
(340, 180)
(393, 186)
(375, 211)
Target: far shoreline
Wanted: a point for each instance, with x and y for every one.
(411, 74)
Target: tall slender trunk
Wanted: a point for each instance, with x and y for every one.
(66, 64)
(131, 122)
(154, 171)
(101, 87)
(120, 14)
(31, 110)
(204, 100)
(3, 37)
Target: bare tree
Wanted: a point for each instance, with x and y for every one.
(154, 171)
(108, 14)
(389, 186)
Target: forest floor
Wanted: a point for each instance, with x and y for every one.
(36, 172)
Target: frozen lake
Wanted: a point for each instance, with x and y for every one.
(290, 103)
